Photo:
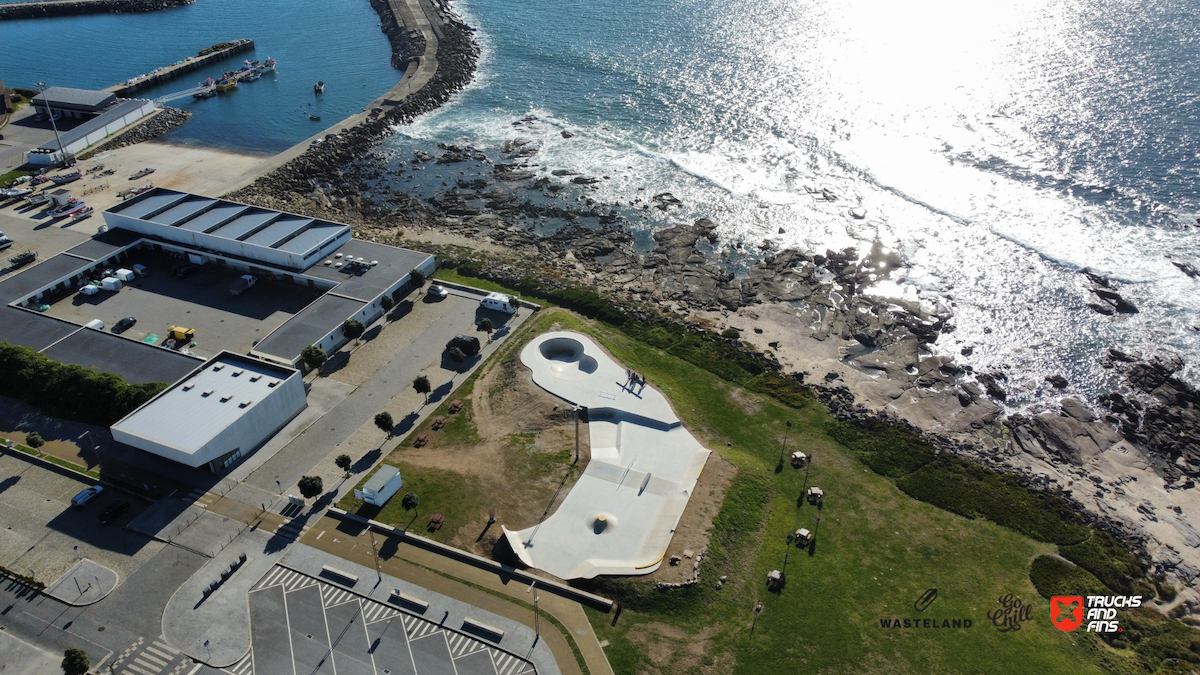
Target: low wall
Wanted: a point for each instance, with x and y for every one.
(41, 9)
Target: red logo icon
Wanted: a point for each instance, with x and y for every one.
(1066, 612)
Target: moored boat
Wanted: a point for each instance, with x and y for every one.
(63, 179)
(269, 64)
(225, 84)
(319, 87)
(80, 214)
(67, 209)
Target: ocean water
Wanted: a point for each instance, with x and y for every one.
(999, 148)
(337, 41)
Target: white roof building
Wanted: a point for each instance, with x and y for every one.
(223, 410)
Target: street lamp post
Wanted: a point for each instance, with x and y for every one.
(50, 113)
(785, 440)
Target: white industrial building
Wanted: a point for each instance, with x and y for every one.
(224, 409)
(105, 115)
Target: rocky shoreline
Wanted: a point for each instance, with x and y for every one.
(1120, 460)
(156, 126)
(36, 10)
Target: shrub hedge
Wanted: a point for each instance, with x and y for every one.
(1055, 576)
(1107, 560)
(69, 391)
(783, 389)
(889, 450)
(974, 491)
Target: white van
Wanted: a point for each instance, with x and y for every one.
(94, 323)
(500, 302)
(80, 500)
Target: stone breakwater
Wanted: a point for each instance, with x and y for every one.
(152, 128)
(41, 9)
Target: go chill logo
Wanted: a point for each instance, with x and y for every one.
(1068, 612)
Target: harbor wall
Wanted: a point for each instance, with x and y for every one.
(46, 8)
(143, 82)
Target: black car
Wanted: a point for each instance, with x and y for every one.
(124, 324)
(115, 510)
(468, 344)
(185, 271)
(22, 259)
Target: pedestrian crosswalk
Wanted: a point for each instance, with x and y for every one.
(461, 645)
(200, 498)
(417, 628)
(150, 658)
(243, 667)
(508, 664)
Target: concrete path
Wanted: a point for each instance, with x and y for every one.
(86, 583)
(18, 657)
(216, 630)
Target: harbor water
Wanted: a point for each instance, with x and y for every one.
(338, 41)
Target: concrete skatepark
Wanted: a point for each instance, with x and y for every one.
(619, 518)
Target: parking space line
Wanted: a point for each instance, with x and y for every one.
(287, 619)
(452, 663)
(329, 639)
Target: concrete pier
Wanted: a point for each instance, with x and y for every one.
(206, 56)
(37, 9)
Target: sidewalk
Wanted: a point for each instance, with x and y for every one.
(416, 565)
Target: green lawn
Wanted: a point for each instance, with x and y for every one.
(877, 550)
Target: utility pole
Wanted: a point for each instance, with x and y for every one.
(375, 552)
(50, 113)
(537, 631)
(785, 439)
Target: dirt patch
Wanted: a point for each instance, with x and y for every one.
(696, 523)
(521, 448)
(744, 400)
(674, 650)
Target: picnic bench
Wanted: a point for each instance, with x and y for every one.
(439, 422)
(455, 406)
(436, 520)
(422, 439)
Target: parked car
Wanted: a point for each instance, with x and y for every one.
(185, 271)
(22, 259)
(124, 324)
(5, 242)
(438, 291)
(467, 343)
(243, 284)
(181, 335)
(115, 510)
(81, 500)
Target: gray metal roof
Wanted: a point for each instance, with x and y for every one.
(30, 279)
(367, 284)
(107, 353)
(185, 210)
(377, 482)
(309, 326)
(196, 409)
(66, 96)
(71, 135)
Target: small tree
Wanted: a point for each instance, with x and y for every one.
(343, 462)
(410, 501)
(314, 356)
(353, 329)
(387, 303)
(385, 422)
(485, 325)
(75, 662)
(311, 486)
(421, 384)
(417, 277)
(34, 440)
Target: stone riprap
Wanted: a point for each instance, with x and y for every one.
(619, 517)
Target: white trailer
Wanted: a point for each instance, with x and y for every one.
(380, 488)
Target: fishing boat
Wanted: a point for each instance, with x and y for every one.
(319, 87)
(139, 190)
(253, 75)
(269, 64)
(205, 93)
(63, 179)
(67, 209)
(315, 118)
(16, 192)
(38, 199)
(225, 84)
(82, 213)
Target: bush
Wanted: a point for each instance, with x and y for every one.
(387, 303)
(34, 440)
(457, 355)
(485, 325)
(717, 357)
(410, 501)
(75, 662)
(731, 334)
(1054, 576)
(1106, 559)
(417, 277)
(783, 389)
(68, 391)
(311, 486)
(974, 491)
(889, 450)
(314, 356)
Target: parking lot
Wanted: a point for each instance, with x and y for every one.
(300, 624)
(200, 301)
(39, 529)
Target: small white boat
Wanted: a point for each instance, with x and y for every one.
(319, 87)
(67, 209)
(17, 192)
